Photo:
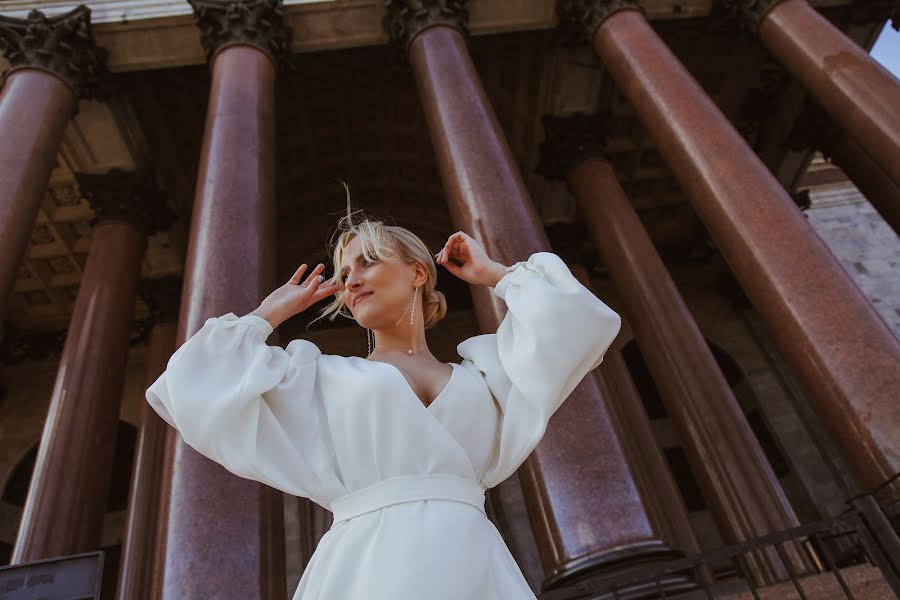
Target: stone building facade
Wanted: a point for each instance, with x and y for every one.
(162, 162)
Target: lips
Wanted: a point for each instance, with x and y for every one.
(361, 297)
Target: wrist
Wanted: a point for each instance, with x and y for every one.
(494, 273)
(273, 320)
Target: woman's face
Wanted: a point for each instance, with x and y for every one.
(378, 292)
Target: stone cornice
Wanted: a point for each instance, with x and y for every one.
(579, 19)
(569, 141)
(134, 197)
(406, 18)
(259, 23)
(750, 12)
(62, 44)
(158, 34)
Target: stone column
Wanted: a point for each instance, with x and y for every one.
(652, 475)
(843, 354)
(67, 498)
(587, 514)
(224, 535)
(858, 93)
(737, 480)
(54, 62)
(137, 565)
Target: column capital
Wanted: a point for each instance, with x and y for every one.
(569, 141)
(134, 197)
(406, 18)
(63, 45)
(750, 12)
(258, 23)
(579, 19)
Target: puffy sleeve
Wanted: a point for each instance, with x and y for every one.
(253, 408)
(555, 331)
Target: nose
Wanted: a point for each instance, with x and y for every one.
(353, 282)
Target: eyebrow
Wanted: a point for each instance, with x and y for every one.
(359, 257)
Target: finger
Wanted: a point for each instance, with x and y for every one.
(314, 274)
(295, 279)
(324, 291)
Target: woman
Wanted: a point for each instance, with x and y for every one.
(398, 445)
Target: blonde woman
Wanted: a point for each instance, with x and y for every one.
(398, 445)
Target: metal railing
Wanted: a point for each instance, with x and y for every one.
(865, 534)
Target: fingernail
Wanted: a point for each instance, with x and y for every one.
(320, 278)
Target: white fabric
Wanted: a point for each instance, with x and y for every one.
(406, 481)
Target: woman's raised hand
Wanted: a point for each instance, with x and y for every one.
(464, 257)
(294, 297)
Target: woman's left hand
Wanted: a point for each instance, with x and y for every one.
(465, 258)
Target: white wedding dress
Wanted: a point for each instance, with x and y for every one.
(405, 482)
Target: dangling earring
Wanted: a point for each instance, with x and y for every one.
(413, 312)
(369, 340)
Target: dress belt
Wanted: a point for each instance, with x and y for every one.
(408, 488)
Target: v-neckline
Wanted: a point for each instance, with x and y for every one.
(410, 388)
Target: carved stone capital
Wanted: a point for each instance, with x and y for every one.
(406, 18)
(163, 297)
(569, 141)
(134, 197)
(750, 12)
(258, 23)
(579, 19)
(63, 45)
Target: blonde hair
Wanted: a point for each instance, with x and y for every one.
(388, 243)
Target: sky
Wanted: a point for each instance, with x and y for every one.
(887, 49)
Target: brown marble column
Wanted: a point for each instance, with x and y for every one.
(842, 352)
(858, 93)
(51, 69)
(137, 565)
(737, 480)
(67, 498)
(586, 512)
(224, 535)
(652, 475)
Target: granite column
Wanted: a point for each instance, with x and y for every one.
(67, 499)
(842, 352)
(54, 63)
(857, 92)
(737, 480)
(216, 522)
(137, 566)
(586, 512)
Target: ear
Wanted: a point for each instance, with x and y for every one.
(420, 275)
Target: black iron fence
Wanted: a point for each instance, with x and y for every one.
(864, 538)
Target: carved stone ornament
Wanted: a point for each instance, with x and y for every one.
(259, 23)
(134, 197)
(63, 44)
(569, 141)
(579, 19)
(406, 18)
(750, 12)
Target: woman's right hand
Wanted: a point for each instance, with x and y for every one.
(293, 297)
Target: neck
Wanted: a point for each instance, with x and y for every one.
(402, 337)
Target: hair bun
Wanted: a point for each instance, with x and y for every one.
(434, 308)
